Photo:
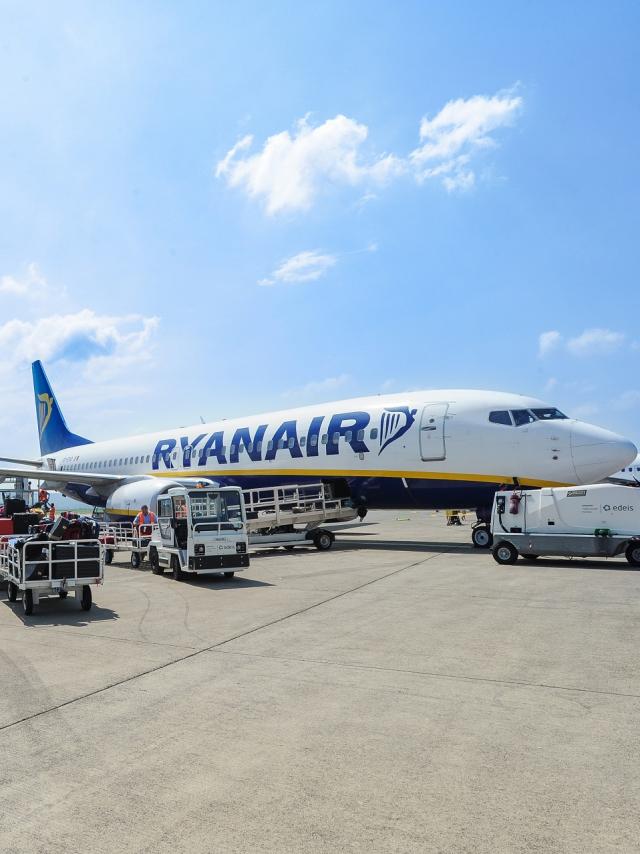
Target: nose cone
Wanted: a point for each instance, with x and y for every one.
(598, 453)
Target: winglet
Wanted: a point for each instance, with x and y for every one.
(52, 428)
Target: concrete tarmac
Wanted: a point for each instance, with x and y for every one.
(400, 693)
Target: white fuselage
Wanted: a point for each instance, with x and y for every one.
(424, 449)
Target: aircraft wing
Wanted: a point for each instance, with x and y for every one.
(53, 476)
(35, 463)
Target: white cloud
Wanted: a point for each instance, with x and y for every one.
(460, 128)
(32, 284)
(548, 341)
(291, 169)
(594, 342)
(106, 345)
(304, 267)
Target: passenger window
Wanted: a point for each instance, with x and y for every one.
(324, 438)
(360, 435)
(291, 441)
(303, 441)
(313, 441)
(280, 444)
(522, 417)
(374, 433)
(270, 445)
(348, 436)
(500, 416)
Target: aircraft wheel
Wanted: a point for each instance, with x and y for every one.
(12, 592)
(632, 554)
(481, 537)
(27, 602)
(504, 553)
(108, 556)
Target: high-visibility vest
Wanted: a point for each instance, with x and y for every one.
(139, 520)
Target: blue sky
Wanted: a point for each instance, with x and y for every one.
(428, 189)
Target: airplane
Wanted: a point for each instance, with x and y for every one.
(629, 474)
(441, 449)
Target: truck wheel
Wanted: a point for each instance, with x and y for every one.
(108, 556)
(176, 569)
(27, 602)
(154, 560)
(481, 537)
(323, 541)
(135, 559)
(12, 592)
(87, 600)
(504, 553)
(229, 574)
(632, 554)
(530, 557)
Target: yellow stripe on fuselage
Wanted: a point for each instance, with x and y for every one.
(409, 475)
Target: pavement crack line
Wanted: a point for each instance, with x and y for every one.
(516, 683)
(214, 646)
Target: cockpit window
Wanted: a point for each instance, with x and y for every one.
(500, 416)
(522, 416)
(549, 414)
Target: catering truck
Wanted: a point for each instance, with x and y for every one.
(598, 520)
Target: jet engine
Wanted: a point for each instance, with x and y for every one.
(127, 499)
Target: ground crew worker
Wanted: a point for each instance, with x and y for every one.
(144, 517)
(142, 524)
(43, 499)
(52, 513)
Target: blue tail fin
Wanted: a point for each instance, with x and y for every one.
(53, 430)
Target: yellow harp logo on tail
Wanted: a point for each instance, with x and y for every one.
(45, 408)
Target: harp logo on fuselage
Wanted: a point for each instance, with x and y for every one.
(262, 443)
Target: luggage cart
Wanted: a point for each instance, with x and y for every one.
(43, 568)
(123, 537)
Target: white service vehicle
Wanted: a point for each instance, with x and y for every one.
(199, 531)
(41, 568)
(599, 520)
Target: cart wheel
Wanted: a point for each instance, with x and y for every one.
(154, 560)
(135, 559)
(108, 556)
(27, 602)
(530, 557)
(63, 594)
(504, 553)
(323, 541)
(229, 574)
(632, 554)
(176, 569)
(86, 601)
(481, 537)
(12, 592)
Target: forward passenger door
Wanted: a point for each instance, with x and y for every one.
(432, 439)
